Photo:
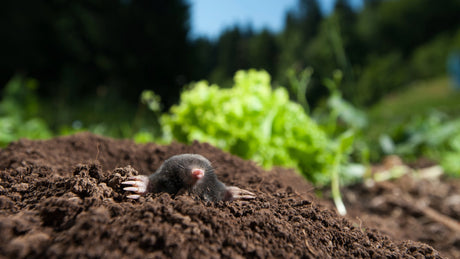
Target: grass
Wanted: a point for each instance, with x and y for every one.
(419, 98)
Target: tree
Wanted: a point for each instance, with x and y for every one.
(309, 18)
(263, 51)
(301, 27)
(405, 24)
(94, 48)
(203, 58)
(232, 54)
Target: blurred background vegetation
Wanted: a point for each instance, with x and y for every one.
(379, 80)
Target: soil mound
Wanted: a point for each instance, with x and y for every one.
(62, 198)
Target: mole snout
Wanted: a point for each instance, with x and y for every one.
(197, 173)
(186, 172)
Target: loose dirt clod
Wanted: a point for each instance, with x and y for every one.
(62, 198)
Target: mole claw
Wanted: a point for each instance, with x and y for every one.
(243, 197)
(129, 182)
(132, 189)
(246, 192)
(137, 184)
(240, 194)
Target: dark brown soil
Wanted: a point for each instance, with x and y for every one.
(425, 210)
(62, 198)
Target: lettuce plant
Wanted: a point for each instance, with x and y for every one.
(255, 122)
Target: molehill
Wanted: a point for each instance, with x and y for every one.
(62, 198)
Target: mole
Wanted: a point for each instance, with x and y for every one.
(191, 173)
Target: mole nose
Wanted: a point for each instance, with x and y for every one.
(197, 173)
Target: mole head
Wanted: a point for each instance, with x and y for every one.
(191, 168)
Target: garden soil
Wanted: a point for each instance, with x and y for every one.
(412, 207)
(62, 198)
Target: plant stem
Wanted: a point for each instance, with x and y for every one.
(335, 185)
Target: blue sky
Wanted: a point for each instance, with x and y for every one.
(210, 17)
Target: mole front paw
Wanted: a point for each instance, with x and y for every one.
(235, 193)
(137, 184)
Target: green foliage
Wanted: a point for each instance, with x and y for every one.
(430, 59)
(405, 124)
(18, 112)
(144, 137)
(418, 98)
(254, 122)
(382, 75)
(152, 100)
(434, 136)
(338, 109)
(343, 147)
(340, 119)
(299, 85)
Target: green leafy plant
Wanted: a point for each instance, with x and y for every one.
(255, 122)
(344, 123)
(342, 146)
(434, 135)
